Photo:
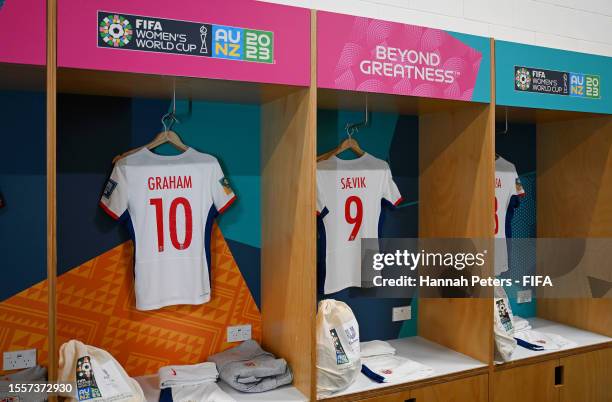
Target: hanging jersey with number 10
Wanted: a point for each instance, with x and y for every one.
(349, 195)
(171, 202)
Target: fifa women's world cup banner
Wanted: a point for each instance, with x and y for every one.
(370, 55)
(240, 40)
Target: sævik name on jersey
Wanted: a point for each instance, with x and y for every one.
(169, 182)
(352, 182)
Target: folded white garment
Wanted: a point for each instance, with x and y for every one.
(546, 340)
(396, 369)
(206, 392)
(376, 348)
(171, 376)
(520, 324)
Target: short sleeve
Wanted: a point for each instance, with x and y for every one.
(518, 186)
(222, 193)
(114, 200)
(390, 191)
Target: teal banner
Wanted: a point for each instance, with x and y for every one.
(544, 78)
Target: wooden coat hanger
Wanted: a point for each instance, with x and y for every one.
(347, 143)
(165, 136)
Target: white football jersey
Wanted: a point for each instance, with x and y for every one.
(349, 195)
(171, 202)
(507, 184)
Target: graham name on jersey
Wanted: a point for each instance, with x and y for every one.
(352, 182)
(169, 182)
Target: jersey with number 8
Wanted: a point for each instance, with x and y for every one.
(171, 202)
(349, 195)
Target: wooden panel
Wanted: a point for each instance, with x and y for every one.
(574, 199)
(456, 192)
(20, 77)
(403, 396)
(591, 314)
(107, 83)
(456, 173)
(473, 389)
(528, 115)
(289, 232)
(587, 377)
(354, 100)
(52, 184)
(574, 181)
(532, 383)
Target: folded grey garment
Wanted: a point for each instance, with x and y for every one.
(36, 373)
(249, 368)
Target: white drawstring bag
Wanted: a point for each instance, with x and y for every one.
(503, 324)
(95, 375)
(338, 355)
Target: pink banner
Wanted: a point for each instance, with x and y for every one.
(23, 31)
(241, 40)
(369, 55)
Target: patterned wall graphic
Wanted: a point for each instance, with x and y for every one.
(96, 305)
(24, 321)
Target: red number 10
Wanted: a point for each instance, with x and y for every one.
(353, 220)
(159, 217)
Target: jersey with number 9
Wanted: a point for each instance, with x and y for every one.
(170, 202)
(349, 195)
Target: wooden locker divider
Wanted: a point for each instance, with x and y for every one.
(456, 186)
(51, 174)
(289, 230)
(574, 199)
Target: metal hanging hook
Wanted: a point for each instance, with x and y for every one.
(352, 128)
(171, 115)
(506, 123)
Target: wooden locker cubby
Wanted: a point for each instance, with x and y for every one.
(455, 189)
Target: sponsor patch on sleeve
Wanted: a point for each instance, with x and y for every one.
(111, 185)
(226, 185)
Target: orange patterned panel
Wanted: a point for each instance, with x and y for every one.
(96, 304)
(24, 322)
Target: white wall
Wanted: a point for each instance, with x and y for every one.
(579, 25)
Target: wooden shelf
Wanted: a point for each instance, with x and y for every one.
(110, 83)
(528, 115)
(583, 339)
(150, 388)
(407, 105)
(447, 365)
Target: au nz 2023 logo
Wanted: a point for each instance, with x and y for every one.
(151, 34)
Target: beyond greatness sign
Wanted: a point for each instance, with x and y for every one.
(151, 34)
(365, 54)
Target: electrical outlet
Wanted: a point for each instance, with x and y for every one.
(239, 333)
(523, 296)
(402, 313)
(19, 359)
